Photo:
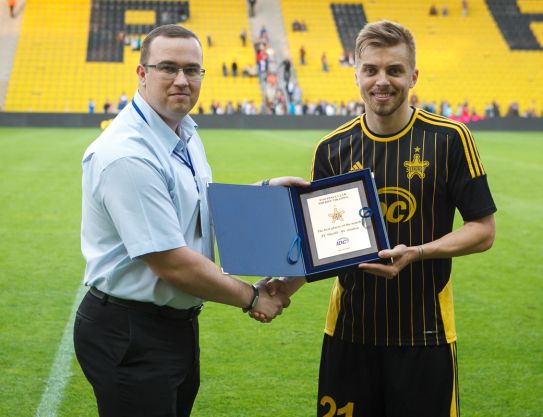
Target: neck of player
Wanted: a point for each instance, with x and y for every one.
(389, 124)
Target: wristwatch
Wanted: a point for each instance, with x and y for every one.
(254, 300)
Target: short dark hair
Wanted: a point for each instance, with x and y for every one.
(385, 34)
(168, 31)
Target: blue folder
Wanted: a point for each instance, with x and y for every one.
(261, 232)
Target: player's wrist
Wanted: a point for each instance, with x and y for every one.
(254, 299)
(420, 253)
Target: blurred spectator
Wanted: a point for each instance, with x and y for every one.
(445, 11)
(286, 64)
(91, 105)
(465, 7)
(107, 106)
(243, 37)
(414, 100)
(347, 59)
(299, 26)
(135, 43)
(123, 101)
(250, 71)
(496, 109)
(264, 34)
(224, 70)
(11, 5)
(513, 110)
(433, 10)
(489, 111)
(234, 69)
(324, 62)
(252, 4)
(209, 41)
(302, 55)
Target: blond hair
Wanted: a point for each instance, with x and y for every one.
(385, 34)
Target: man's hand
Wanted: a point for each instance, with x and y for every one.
(269, 306)
(289, 182)
(400, 255)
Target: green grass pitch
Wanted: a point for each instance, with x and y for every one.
(249, 369)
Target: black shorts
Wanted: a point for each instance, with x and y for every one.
(375, 381)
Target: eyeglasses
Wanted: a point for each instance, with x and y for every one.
(171, 71)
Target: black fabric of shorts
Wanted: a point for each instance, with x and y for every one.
(358, 380)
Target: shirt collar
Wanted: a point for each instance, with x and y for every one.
(187, 126)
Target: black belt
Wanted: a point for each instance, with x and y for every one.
(150, 308)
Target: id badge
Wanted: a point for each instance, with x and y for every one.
(198, 231)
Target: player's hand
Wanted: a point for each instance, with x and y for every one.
(269, 287)
(400, 255)
(269, 307)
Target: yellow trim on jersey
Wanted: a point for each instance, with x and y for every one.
(343, 128)
(469, 138)
(390, 138)
(446, 307)
(334, 306)
(455, 409)
(472, 157)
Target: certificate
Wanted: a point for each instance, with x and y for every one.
(317, 231)
(335, 227)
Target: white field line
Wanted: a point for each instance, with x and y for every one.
(61, 369)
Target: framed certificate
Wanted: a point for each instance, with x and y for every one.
(341, 222)
(318, 231)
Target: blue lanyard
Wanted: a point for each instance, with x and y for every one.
(138, 110)
(186, 162)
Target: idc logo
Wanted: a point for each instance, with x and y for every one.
(401, 204)
(342, 241)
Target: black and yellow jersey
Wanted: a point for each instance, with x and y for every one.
(423, 173)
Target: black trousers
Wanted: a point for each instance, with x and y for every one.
(139, 363)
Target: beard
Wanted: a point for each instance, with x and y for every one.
(388, 108)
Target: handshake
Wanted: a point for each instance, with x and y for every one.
(274, 296)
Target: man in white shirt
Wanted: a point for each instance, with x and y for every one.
(147, 238)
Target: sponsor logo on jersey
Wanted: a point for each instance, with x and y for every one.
(401, 204)
(416, 166)
(356, 167)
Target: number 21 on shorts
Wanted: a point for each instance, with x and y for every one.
(333, 411)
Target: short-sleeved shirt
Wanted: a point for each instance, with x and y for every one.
(423, 174)
(140, 196)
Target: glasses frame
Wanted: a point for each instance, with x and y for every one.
(201, 74)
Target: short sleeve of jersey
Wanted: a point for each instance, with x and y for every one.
(467, 180)
(321, 163)
(135, 195)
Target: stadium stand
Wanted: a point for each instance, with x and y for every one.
(514, 19)
(321, 36)
(71, 51)
(223, 21)
(461, 58)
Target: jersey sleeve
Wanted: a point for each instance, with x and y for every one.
(136, 197)
(321, 163)
(467, 180)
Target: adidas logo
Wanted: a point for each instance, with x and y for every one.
(356, 167)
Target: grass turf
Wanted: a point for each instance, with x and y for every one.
(250, 369)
